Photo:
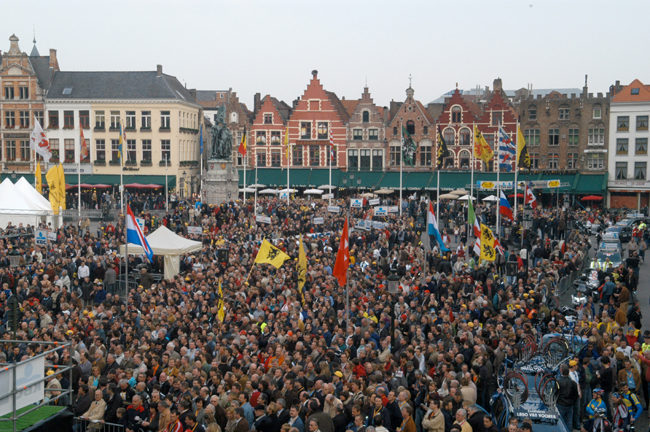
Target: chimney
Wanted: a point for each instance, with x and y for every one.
(54, 63)
(193, 93)
(295, 103)
(257, 102)
(314, 73)
(159, 70)
(497, 85)
(585, 89)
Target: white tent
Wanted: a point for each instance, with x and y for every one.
(21, 203)
(170, 245)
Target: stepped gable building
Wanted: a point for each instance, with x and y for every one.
(366, 134)
(267, 133)
(24, 79)
(565, 131)
(456, 122)
(414, 117)
(310, 122)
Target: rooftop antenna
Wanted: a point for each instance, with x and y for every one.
(34, 25)
(366, 81)
(409, 80)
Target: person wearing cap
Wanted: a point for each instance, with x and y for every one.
(621, 418)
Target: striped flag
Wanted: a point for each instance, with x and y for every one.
(507, 151)
(331, 143)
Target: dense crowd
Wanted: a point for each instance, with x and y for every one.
(421, 357)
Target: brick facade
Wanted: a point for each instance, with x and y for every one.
(267, 133)
(366, 133)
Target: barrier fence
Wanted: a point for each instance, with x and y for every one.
(82, 425)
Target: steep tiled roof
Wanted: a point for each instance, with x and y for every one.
(635, 92)
(426, 113)
(343, 113)
(283, 109)
(350, 105)
(117, 85)
(41, 66)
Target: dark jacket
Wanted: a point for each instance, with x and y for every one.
(568, 392)
(81, 405)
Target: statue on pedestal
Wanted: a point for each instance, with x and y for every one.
(221, 137)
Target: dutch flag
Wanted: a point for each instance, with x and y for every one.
(134, 234)
(433, 228)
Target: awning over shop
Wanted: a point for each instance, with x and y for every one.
(104, 179)
(369, 179)
(391, 180)
(590, 184)
(298, 178)
(321, 177)
(417, 180)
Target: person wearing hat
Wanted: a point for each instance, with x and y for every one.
(263, 423)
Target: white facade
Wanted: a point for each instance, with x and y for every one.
(628, 149)
(67, 137)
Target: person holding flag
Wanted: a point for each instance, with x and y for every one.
(302, 270)
(269, 254)
(340, 271)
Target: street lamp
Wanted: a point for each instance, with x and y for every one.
(13, 174)
(184, 187)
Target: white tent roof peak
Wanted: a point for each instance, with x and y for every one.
(165, 242)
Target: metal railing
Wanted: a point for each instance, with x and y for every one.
(82, 425)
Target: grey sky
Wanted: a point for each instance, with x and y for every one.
(271, 46)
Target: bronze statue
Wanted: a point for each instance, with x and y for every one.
(221, 137)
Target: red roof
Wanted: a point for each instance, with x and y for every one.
(641, 93)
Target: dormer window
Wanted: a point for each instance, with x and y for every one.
(456, 114)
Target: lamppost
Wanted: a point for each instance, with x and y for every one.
(13, 175)
(184, 185)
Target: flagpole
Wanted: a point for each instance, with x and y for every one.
(201, 173)
(401, 164)
(330, 193)
(514, 214)
(471, 183)
(126, 261)
(438, 138)
(498, 186)
(167, 184)
(245, 154)
(79, 185)
(122, 173)
(255, 203)
(288, 168)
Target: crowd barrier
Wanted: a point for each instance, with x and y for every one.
(81, 425)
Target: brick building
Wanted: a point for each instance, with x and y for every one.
(309, 124)
(366, 134)
(266, 137)
(24, 79)
(566, 131)
(414, 117)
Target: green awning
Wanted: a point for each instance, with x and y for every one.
(28, 177)
(271, 177)
(114, 179)
(417, 180)
(391, 180)
(369, 179)
(298, 178)
(591, 184)
(321, 177)
(563, 178)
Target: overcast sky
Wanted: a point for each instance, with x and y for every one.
(272, 46)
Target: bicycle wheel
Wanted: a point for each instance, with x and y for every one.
(556, 350)
(516, 387)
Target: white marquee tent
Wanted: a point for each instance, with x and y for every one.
(21, 203)
(171, 246)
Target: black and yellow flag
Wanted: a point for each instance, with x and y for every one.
(487, 244)
(221, 310)
(269, 254)
(52, 177)
(302, 271)
(523, 158)
(61, 186)
(442, 152)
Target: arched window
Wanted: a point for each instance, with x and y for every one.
(456, 114)
(410, 127)
(449, 136)
(465, 135)
(449, 161)
(366, 116)
(464, 159)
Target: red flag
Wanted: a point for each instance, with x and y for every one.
(343, 257)
(83, 148)
(529, 198)
(243, 144)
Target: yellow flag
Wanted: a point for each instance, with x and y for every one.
(52, 178)
(482, 149)
(302, 270)
(487, 244)
(523, 158)
(286, 142)
(221, 313)
(269, 254)
(61, 186)
(39, 178)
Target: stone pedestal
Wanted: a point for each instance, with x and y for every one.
(220, 180)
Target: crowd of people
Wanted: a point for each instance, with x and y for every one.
(422, 357)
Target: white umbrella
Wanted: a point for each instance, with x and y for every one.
(491, 198)
(466, 198)
(288, 190)
(256, 185)
(460, 192)
(328, 196)
(313, 192)
(247, 190)
(269, 191)
(448, 196)
(368, 195)
(328, 187)
(384, 191)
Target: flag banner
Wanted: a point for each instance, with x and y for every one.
(120, 148)
(432, 228)
(331, 144)
(340, 271)
(134, 234)
(523, 158)
(286, 144)
(61, 186)
(507, 151)
(443, 152)
(269, 254)
(243, 144)
(302, 270)
(487, 244)
(482, 149)
(39, 143)
(201, 138)
(39, 178)
(408, 148)
(221, 310)
(52, 178)
(83, 147)
(529, 197)
(504, 207)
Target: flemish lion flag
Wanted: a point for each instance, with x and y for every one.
(482, 149)
(52, 178)
(61, 186)
(443, 152)
(302, 271)
(286, 143)
(269, 254)
(487, 244)
(39, 178)
(523, 158)
(221, 310)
